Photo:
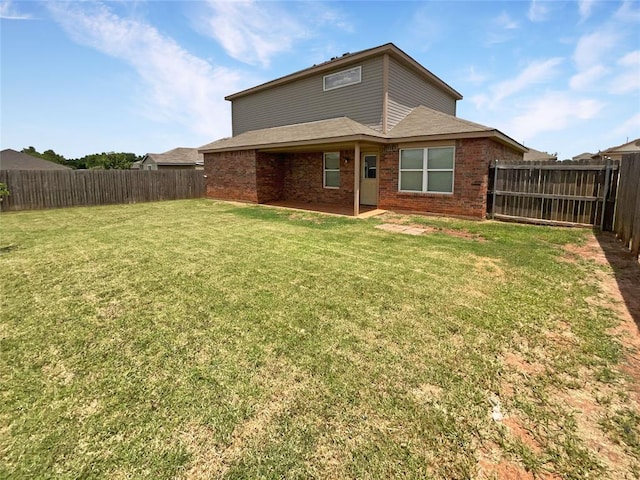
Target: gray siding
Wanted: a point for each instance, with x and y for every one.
(305, 101)
(408, 90)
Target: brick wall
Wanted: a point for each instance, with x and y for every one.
(472, 159)
(269, 176)
(231, 175)
(303, 179)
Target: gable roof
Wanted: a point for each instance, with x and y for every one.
(632, 146)
(534, 155)
(177, 156)
(13, 160)
(350, 58)
(422, 124)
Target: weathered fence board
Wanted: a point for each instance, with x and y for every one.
(42, 189)
(627, 216)
(557, 193)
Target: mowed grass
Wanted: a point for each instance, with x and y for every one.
(201, 339)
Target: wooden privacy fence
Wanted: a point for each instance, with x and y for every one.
(627, 218)
(554, 193)
(42, 189)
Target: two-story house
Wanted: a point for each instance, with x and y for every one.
(369, 128)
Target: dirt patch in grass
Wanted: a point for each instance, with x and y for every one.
(620, 291)
(407, 221)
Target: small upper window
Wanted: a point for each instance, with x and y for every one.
(343, 78)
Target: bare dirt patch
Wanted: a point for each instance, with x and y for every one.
(620, 291)
(427, 229)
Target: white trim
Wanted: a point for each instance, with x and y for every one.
(425, 171)
(342, 72)
(325, 170)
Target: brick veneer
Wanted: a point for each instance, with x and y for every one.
(303, 179)
(231, 175)
(263, 177)
(469, 199)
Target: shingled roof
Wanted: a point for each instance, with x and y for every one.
(422, 124)
(13, 160)
(178, 156)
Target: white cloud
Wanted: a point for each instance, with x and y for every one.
(586, 78)
(535, 73)
(505, 21)
(552, 112)
(591, 48)
(585, 7)
(629, 128)
(538, 11)
(9, 12)
(181, 87)
(627, 13)
(474, 76)
(627, 78)
(254, 32)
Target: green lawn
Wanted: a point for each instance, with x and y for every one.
(201, 339)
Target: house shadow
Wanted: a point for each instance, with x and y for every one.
(626, 270)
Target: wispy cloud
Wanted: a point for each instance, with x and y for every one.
(254, 32)
(181, 87)
(627, 78)
(552, 112)
(585, 7)
(473, 76)
(535, 73)
(538, 11)
(502, 30)
(586, 78)
(592, 47)
(629, 128)
(8, 11)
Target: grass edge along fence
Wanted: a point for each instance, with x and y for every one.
(559, 193)
(44, 189)
(627, 216)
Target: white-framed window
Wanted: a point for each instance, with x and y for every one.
(331, 167)
(342, 79)
(427, 170)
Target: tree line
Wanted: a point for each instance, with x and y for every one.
(100, 161)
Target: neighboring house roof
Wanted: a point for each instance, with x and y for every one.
(177, 156)
(583, 156)
(422, 123)
(13, 160)
(632, 146)
(347, 58)
(534, 155)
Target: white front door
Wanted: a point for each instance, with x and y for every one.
(369, 179)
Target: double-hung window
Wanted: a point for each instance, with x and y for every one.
(426, 170)
(331, 169)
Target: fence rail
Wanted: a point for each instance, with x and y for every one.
(42, 189)
(627, 217)
(555, 194)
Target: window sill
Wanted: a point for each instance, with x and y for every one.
(424, 194)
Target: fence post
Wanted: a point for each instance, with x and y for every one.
(495, 187)
(607, 178)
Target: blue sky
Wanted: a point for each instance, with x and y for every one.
(149, 76)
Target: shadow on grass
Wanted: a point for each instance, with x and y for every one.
(626, 269)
